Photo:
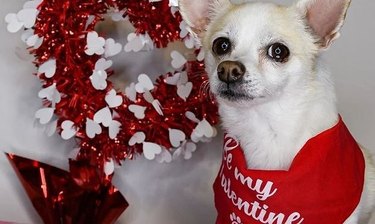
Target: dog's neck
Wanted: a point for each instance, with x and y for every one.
(272, 133)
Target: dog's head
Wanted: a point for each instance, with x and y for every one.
(256, 51)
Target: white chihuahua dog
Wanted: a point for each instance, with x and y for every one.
(265, 69)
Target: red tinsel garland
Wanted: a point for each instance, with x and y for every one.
(64, 25)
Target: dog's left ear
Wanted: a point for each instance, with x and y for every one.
(198, 13)
(324, 17)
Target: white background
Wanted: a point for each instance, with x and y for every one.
(178, 193)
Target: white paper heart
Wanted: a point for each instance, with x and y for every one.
(176, 137)
(164, 157)
(201, 55)
(44, 115)
(183, 29)
(202, 130)
(114, 129)
(144, 84)
(189, 42)
(103, 116)
(138, 111)
(178, 60)
(192, 116)
(138, 42)
(68, 129)
(111, 48)
(50, 93)
(95, 44)
(112, 99)
(135, 43)
(189, 148)
(150, 150)
(109, 167)
(130, 92)
(30, 41)
(137, 138)
(184, 91)
(92, 128)
(183, 78)
(172, 80)
(34, 41)
(48, 68)
(14, 25)
(99, 79)
(102, 64)
(27, 17)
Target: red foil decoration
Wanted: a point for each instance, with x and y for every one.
(75, 197)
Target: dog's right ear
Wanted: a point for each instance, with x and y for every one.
(324, 17)
(198, 13)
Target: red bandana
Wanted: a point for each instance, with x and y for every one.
(323, 185)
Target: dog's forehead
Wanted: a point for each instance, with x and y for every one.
(252, 21)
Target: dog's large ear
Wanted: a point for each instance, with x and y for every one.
(198, 13)
(324, 17)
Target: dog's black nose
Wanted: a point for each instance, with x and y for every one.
(231, 71)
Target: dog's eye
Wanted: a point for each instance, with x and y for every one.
(278, 52)
(221, 46)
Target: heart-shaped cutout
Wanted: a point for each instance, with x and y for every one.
(113, 100)
(102, 64)
(95, 44)
(14, 25)
(176, 137)
(150, 150)
(138, 111)
(184, 91)
(103, 116)
(27, 17)
(109, 167)
(50, 93)
(137, 138)
(92, 128)
(164, 157)
(44, 115)
(178, 60)
(189, 148)
(203, 129)
(99, 79)
(130, 92)
(48, 68)
(114, 129)
(68, 129)
(111, 48)
(144, 84)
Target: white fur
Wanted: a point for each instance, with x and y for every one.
(292, 101)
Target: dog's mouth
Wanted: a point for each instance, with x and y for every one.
(230, 94)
